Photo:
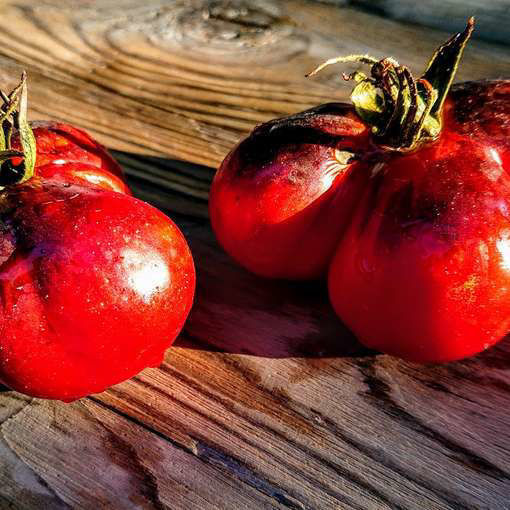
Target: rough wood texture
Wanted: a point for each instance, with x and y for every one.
(266, 401)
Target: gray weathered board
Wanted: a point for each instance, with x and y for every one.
(266, 401)
(493, 15)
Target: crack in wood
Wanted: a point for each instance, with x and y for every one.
(212, 456)
(55, 499)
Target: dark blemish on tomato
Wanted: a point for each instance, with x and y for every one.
(324, 126)
(482, 108)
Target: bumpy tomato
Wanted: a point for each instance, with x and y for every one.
(280, 200)
(403, 198)
(423, 271)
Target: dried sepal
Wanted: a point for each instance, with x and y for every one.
(404, 112)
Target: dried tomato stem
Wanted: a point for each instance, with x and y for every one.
(13, 115)
(403, 112)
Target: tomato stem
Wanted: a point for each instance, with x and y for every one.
(404, 112)
(13, 115)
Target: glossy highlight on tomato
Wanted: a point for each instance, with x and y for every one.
(95, 285)
(401, 199)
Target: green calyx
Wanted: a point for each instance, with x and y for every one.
(13, 115)
(404, 112)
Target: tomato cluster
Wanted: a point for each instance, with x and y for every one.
(401, 199)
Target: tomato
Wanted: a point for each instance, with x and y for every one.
(402, 199)
(423, 271)
(95, 285)
(67, 153)
(280, 200)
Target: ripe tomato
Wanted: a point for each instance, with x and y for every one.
(423, 271)
(95, 285)
(280, 200)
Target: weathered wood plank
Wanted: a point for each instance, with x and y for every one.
(94, 458)
(266, 401)
(187, 79)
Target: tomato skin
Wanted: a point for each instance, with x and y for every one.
(279, 201)
(69, 154)
(94, 286)
(423, 271)
(480, 110)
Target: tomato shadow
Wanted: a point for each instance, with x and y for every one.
(239, 312)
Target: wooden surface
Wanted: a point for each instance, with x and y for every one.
(493, 16)
(266, 401)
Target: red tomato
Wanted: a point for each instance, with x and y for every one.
(280, 200)
(95, 285)
(423, 271)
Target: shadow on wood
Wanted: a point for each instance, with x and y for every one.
(238, 312)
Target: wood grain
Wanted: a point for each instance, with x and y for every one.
(186, 79)
(267, 400)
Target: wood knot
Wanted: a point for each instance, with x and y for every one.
(233, 21)
(226, 27)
